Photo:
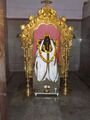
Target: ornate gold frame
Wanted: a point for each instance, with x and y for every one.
(46, 15)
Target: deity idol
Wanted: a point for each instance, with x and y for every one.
(46, 65)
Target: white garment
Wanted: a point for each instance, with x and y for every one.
(44, 70)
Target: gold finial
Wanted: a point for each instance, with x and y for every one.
(70, 28)
(46, 2)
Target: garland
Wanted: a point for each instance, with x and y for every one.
(45, 60)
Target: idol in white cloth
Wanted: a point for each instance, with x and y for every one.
(46, 67)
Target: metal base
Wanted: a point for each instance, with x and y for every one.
(65, 90)
(46, 94)
(28, 92)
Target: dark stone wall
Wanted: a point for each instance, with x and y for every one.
(85, 50)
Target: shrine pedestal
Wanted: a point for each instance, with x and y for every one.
(46, 88)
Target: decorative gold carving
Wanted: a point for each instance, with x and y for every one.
(46, 15)
(46, 88)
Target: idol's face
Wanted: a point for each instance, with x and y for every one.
(47, 43)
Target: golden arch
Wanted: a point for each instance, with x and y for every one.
(46, 15)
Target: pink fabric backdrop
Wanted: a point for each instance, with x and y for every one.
(47, 30)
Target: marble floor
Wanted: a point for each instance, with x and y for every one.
(75, 106)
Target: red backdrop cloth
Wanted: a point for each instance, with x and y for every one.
(50, 30)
